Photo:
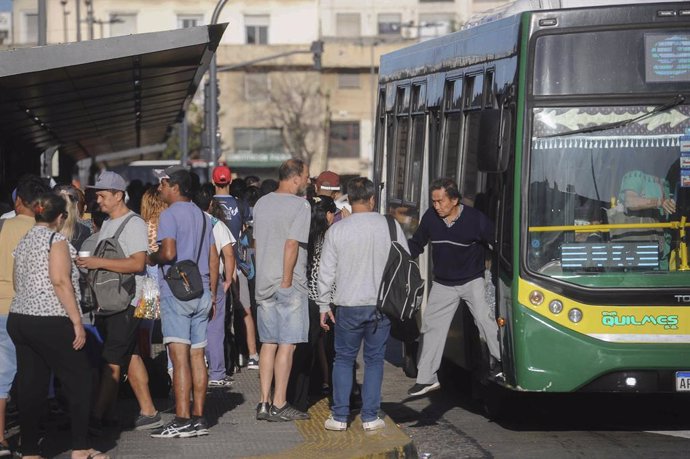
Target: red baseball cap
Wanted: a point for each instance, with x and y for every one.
(328, 180)
(222, 175)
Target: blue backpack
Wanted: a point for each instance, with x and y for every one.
(243, 255)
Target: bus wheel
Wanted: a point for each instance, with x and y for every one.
(495, 401)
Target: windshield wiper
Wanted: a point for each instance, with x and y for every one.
(678, 100)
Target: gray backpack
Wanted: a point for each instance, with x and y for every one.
(112, 292)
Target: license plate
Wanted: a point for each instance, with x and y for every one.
(682, 381)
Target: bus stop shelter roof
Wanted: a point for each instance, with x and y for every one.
(105, 95)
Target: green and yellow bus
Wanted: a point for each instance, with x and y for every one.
(570, 128)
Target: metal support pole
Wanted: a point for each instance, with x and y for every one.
(89, 17)
(213, 93)
(184, 140)
(42, 23)
(78, 11)
(65, 13)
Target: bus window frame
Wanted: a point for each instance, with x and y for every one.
(471, 75)
(404, 86)
(416, 112)
(489, 90)
(470, 111)
(446, 110)
(380, 144)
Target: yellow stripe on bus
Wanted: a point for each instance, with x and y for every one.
(614, 323)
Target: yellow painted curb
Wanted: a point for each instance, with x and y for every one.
(319, 443)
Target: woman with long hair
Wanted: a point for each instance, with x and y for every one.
(45, 325)
(323, 211)
(73, 229)
(151, 208)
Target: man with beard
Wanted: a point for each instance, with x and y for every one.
(281, 233)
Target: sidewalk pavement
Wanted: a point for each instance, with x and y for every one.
(234, 431)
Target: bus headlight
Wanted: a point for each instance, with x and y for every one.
(555, 307)
(536, 297)
(575, 315)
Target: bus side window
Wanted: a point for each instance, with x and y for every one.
(489, 94)
(452, 128)
(379, 136)
(469, 182)
(474, 87)
(400, 142)
(416, 156)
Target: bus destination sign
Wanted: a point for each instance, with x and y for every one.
(667, 57)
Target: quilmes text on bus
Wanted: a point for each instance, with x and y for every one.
(570, 128)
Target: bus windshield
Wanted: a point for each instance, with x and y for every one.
(609, 207)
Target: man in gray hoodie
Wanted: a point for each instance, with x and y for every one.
(354, 255)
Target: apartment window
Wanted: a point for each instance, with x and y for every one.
(389, 24)
(123, 24)
(435, 24)
(189, 20)
(343, 141)
(258, 140)
(348, 81)
(256, 86)
(256, 27)
(348, 25)
(30, 28)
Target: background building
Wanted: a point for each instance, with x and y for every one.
(275, 100)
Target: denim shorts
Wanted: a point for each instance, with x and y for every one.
(8, 359)
(185, 321)
(284, 317)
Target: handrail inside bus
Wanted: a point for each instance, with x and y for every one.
(607, 227)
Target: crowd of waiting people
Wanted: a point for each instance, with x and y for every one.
(272, 269)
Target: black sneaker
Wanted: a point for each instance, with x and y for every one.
(200, 425)
(148, 422)
(286, 413)
(262, 411)
(177, 428)
(421, 389)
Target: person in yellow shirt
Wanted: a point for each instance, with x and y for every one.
(11, 232)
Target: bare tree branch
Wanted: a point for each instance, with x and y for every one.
(298, 107)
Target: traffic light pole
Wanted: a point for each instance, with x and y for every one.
(213, 95)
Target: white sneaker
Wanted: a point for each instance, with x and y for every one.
(376, 424)
(227, 381)
(332, 424)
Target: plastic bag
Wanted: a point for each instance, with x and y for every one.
(148, 306)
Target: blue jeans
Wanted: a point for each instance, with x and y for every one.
(354, 324)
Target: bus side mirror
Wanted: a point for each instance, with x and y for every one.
(491, 138)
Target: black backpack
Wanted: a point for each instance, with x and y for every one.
(112, 292)
(402, 286)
